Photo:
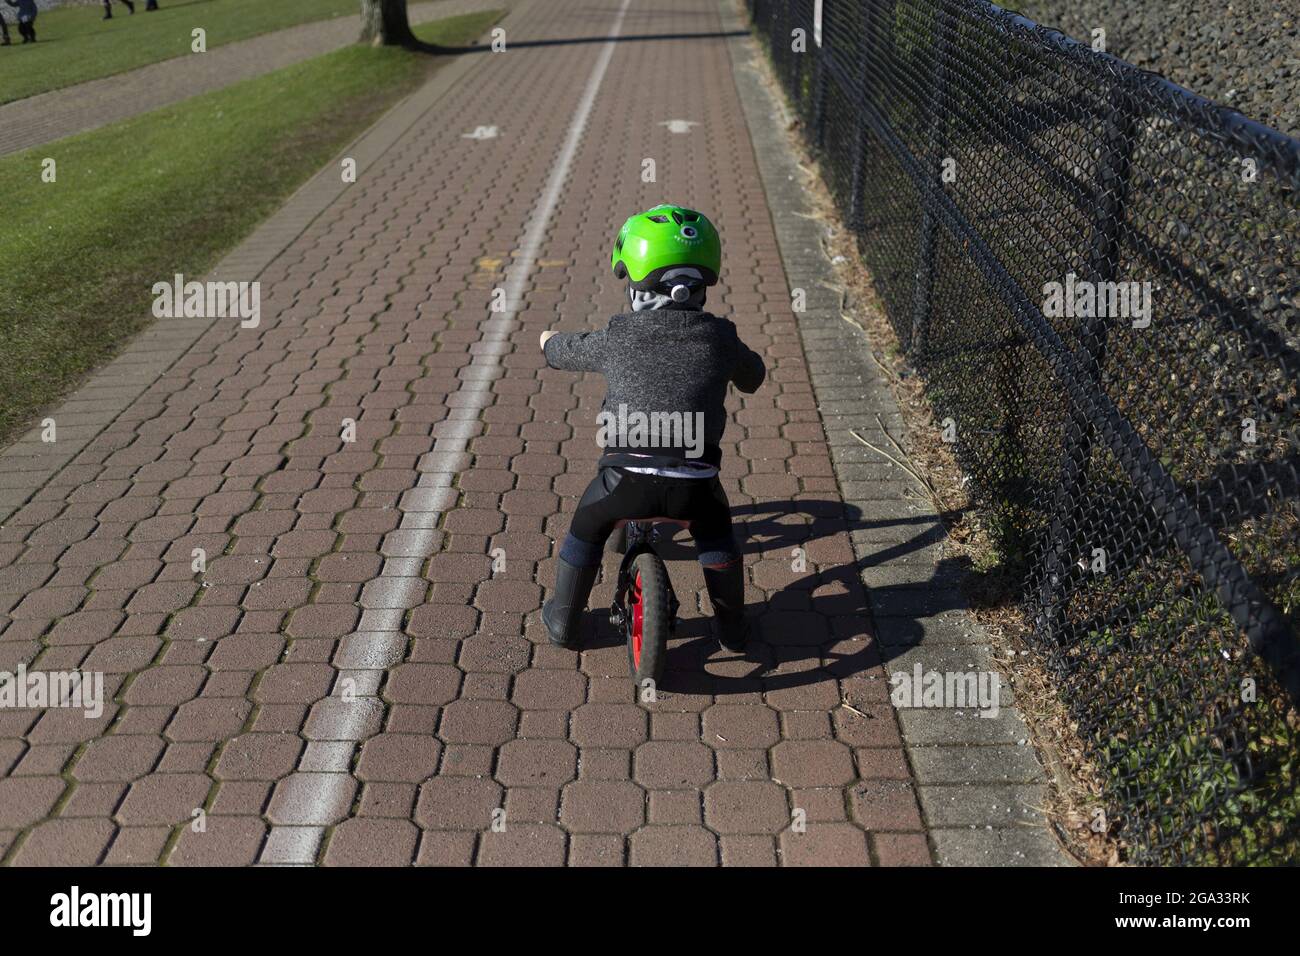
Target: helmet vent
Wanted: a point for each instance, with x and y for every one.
(658, 218)
(677, 218)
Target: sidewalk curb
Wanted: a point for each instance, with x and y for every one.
(980, 783)
(29, 464)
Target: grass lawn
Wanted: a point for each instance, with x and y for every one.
(75, 44)
(170, 191)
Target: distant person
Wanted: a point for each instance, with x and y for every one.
(108, 8)
(4, 31)
(26, 18)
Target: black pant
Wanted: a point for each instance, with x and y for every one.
(615, 495)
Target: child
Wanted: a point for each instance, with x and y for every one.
(26, 18)
(671, 359)
(108, 8)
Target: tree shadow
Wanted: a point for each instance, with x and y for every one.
(419, 46)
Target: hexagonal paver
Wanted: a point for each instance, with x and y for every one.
(118, 757)
(215, 718)
(422, 684)
(224, 841)
(672, 764)
(294, 683)
(478, 722)
(372, 843)
(746, 806)
(457, 803)
(812, 763)
(537, 763)
(885, 805)
(259, 757)
(503, 653)
(602, 806)
(825, 844)
(522, 845)
(407, 758)
(740, 727)
(549, 690)
(609, 725)
(673, 846)
(342, 718)
(66, 843)
(312, 799)
(165, 798)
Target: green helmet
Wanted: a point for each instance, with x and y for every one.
(666, 237)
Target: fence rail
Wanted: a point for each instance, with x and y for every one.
(1097, 273)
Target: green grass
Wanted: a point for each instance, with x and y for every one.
(75, 44)
(170, 191)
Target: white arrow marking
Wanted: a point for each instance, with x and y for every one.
(679, 126)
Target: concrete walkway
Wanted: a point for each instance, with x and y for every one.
(75, 109)
(356, 672)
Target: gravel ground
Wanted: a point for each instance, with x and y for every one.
(1244, 54)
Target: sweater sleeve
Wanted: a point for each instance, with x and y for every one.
(749, 371)
(576, 351)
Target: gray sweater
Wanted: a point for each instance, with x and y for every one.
(666, 373)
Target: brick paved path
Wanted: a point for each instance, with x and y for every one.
(75, 109)
(350, 680)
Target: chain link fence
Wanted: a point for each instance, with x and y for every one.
(1097, 274)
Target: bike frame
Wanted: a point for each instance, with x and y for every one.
(641, 538)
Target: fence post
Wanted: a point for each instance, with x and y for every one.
(819, 88)
(794, 64)
(1118, 140)
(873, 42)
(933, 147)
(772, 32)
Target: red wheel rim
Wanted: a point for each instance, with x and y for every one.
(637, 619)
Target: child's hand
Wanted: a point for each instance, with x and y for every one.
(545, 336)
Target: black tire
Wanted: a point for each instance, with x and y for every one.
(656, 620)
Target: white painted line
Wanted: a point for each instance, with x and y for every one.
(400, 584)
(679, 125)
(291, 846)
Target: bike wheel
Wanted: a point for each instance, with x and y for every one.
(649, 619)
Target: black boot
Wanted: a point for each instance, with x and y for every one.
(130, 7)
(727, 595)
(562, 614)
